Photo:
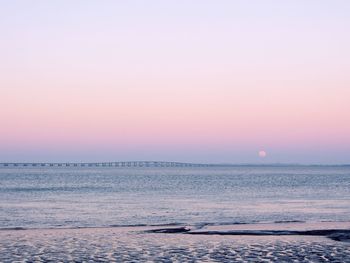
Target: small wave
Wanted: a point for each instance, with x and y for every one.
(205, 224)
(135, 225)
(145, 225)
(169, 230)
(13, 228)
(51, 189)
(60, 226)
(168, 224)
(289, 221)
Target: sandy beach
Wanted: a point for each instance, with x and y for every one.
(139, 244)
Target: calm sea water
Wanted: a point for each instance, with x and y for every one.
(88, 197)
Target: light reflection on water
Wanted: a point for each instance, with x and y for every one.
(77, 197)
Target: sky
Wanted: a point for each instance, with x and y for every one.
(197, 81)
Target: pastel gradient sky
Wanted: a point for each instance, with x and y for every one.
(198, 81)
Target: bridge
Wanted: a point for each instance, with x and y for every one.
(107, 164)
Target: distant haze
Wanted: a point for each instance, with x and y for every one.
(197, 81)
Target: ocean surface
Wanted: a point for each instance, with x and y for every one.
(74, 197)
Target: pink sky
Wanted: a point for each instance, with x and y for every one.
(200, 81)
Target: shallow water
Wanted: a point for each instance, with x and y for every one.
(54, 197)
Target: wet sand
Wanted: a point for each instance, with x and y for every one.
(137, 244)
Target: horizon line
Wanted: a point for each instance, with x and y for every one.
(159, 163)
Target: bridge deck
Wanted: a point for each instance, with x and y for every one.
(107, 164)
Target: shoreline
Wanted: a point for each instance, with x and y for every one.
(277, 225)
(338, 231)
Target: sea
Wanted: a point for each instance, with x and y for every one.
(82, 197)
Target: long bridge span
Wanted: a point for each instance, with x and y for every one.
(106, 164)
